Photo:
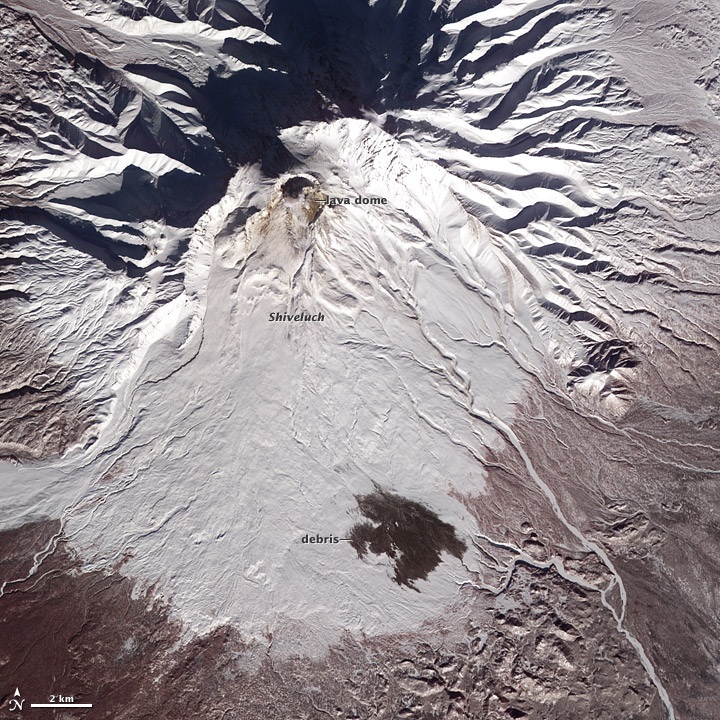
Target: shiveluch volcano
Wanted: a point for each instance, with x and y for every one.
(360, 360)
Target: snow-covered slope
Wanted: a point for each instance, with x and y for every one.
(495, 221)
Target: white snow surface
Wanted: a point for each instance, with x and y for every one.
(236, 436)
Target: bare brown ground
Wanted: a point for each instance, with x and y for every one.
(545, 650)
(43, 413)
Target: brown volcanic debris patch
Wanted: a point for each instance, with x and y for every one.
(409, 533)
(545, 649)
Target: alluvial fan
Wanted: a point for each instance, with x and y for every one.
(360, 358)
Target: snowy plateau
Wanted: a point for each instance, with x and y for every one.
(359, 359)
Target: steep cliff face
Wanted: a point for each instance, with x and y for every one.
(363, 354)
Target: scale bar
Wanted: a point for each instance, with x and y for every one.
(60, 705)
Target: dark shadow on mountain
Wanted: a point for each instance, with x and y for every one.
(606, 356)
(357, 54)
(222, 14)
(80, 235)
(331, 58)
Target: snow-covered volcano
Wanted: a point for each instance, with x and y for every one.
(344, 328)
